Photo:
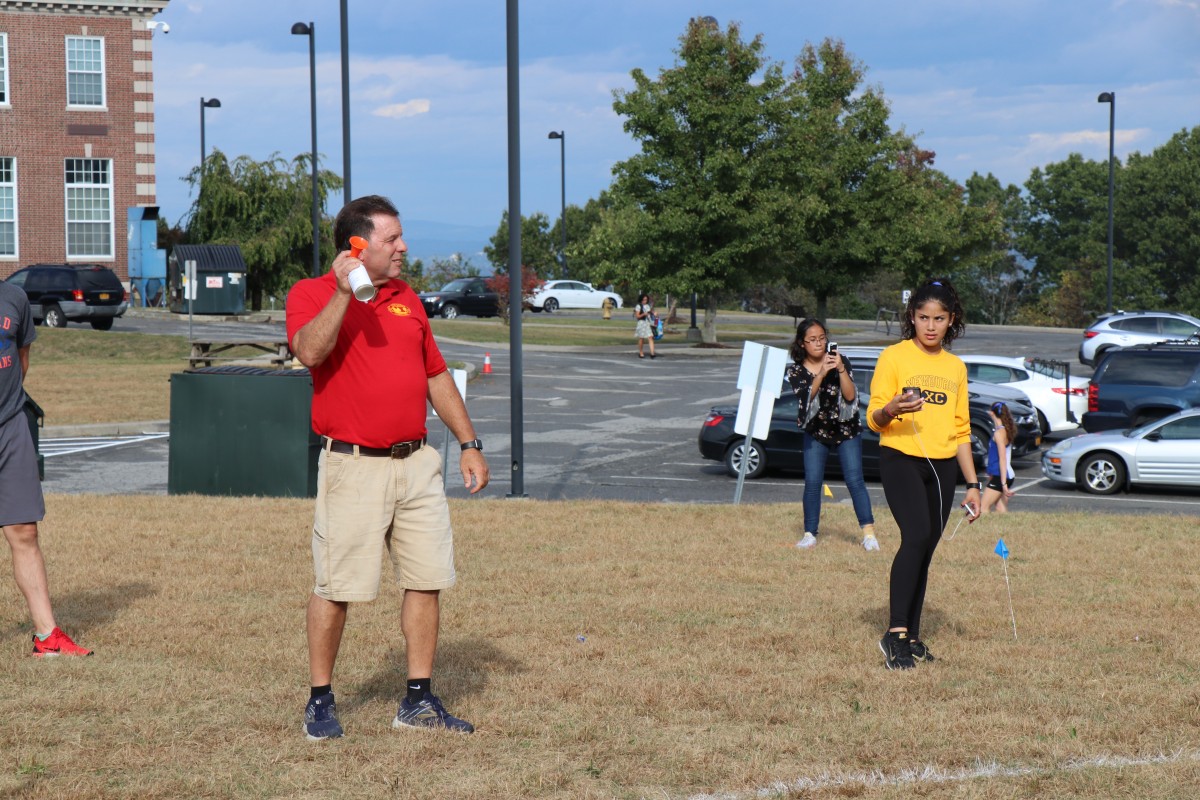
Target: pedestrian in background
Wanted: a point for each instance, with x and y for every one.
(828, 416)
(999, 460)
(643, 312)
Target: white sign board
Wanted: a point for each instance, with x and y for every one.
(756, 397)
(904, 297)
(460, 383)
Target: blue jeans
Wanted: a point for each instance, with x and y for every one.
(850, 454)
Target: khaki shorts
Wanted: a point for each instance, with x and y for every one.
(368, 503)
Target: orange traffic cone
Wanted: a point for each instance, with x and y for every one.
(487, 363)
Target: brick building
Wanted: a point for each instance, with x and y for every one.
(76, 129)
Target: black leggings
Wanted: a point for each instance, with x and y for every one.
(920, 498)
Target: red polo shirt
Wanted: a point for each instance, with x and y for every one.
(373, 387)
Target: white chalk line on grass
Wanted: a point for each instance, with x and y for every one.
(931, 774)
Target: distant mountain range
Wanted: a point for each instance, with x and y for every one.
(428, 240)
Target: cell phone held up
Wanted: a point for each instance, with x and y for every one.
(911, 393)
(831, 348)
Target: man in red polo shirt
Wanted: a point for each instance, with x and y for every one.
(374, 364)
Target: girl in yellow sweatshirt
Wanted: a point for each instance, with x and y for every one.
(919, 408)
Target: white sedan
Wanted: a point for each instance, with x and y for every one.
(1162, 452)
(1043, 382)
(553, 295)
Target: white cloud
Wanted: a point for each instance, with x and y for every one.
(397, 110)
(1054, 142)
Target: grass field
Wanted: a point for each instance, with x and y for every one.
(606, 650)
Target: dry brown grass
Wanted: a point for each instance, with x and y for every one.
(716, 659)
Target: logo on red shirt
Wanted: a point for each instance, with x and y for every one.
(399, 309)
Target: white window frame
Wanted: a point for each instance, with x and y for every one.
(68, 188)
(103, 104)
(5, 100)
(15, 254)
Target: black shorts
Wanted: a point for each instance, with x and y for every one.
(994, 483)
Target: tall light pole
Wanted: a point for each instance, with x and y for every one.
(1111, 99)
(212, 102)
(345, 104)
(310, 30)
(562, 141)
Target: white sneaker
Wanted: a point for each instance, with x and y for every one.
(808, 541)
(870, 543)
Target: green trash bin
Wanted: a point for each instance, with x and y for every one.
(242, 431)
(37, 419)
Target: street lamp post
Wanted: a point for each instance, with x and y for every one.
(310, 30)
(562, 141)
(345, 103)
(212, 102)
(1111, 99)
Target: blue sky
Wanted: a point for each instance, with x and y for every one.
(999, 86)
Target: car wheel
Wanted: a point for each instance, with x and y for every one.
(1102, 473)
(551, 305)
(980, 444)
(756, 464)
(103, 324)
(54, 317)
(449, 311)
(1044, 424)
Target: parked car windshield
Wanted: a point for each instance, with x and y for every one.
(1045, 368)
(103, 279)
(1160, 369)
(457, 285)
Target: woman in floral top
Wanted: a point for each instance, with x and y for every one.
(828, 405)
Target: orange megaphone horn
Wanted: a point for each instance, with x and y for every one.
(357, 245)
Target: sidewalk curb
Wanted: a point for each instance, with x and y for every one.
(105, 429)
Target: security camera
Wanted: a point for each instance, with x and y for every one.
(164, 27)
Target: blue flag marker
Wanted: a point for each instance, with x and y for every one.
(1001, 548)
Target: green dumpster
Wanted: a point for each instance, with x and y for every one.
(37, 418)
(242, 431)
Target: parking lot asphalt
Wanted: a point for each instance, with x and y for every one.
(601, 424)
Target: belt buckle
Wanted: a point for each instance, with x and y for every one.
(402, 450)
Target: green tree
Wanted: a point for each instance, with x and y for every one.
(994, 279)
(265, 208)
(580, 222)
(538, 251)
(687, 213)
(1157, 220)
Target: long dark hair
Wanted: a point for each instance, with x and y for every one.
(942, 291)
(1006, 419)
(798, 353)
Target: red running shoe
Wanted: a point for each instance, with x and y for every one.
(57, 644)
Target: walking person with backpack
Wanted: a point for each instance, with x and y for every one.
(643, 312)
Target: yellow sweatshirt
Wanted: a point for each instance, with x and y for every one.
(944, 422)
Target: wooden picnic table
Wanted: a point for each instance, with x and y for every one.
(204, 353)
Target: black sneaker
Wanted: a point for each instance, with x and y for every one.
(320, 718)
(919, 651)
(428, 713)
(896, 652)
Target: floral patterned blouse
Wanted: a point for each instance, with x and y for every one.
(830, 419)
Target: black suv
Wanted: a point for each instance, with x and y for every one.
(1139, 384)
(462, 296)
(61, 293)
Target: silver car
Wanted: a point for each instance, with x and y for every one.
(1164, 452)
(1126, 328)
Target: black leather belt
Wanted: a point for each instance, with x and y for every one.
(399, 450)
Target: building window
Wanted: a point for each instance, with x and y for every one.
(85, 71)
(3, 69)
(89, 208)
(8, 206)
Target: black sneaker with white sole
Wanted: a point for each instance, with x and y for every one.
(919, 651)
(896, 651)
